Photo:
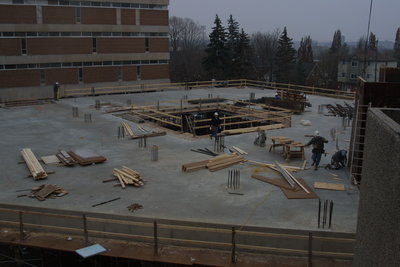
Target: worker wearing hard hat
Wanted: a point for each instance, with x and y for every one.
(215, 125)
(318, 148)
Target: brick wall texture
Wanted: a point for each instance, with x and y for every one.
(10, 47)
(154, 17)
(159, 44)
(129, 73)
(128, 16)
(19, 78)
(151, 72)
(58, 15)
(17, 14)
(98, 15)
(59, 46)
(100, 74)
(63, 76)
(120, 45)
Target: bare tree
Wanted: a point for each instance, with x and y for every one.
(305, 51)
(187, 40)
(265, 46)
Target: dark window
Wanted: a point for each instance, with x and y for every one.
(42, 77)
(18, 1)
(94, 45)
(138, 72)
(146, 44)
(23, 46)
(80, 71)
(78, 15)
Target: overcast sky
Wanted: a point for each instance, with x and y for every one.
(317, 18)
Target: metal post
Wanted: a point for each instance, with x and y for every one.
(155, 239)
(319, 213)
(21, 226)
(233, 255)
(310, 239)
(330, 214)
(85, 230)
(154, 153)
(158, 105)
(97, 104)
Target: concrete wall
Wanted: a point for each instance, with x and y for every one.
(378, 235)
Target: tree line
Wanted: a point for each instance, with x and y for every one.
(230, 53)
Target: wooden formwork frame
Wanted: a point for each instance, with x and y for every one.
(254, 113)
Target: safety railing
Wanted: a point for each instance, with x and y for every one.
(151, 87)
(160, 232)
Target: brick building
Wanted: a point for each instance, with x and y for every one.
(81, 44)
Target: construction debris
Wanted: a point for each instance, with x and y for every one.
(214, 164)
(48, 191)
(205, 151)
(240, 151)
(127, 176)
(105, 202)
(273, 166)
(33, 164)
(134, 207)
(52, 159)
(128, 131)
(289, 177)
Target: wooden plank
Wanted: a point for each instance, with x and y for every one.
(241, 151)
(33, 164)
(253, 129)
(329, 186)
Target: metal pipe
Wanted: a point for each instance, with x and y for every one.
(319, 213)
(155, 239)
(310, 239)
(330, 214)
(233, 254)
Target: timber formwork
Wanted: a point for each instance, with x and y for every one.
(195, 118)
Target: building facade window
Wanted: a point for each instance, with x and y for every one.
(354, 63)
(78, 15)
(23, 46)
(80, 75)
(138, 73)
(146, 44)
(343, 74)
(353, 76)
(94, 45)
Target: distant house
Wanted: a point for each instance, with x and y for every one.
(352, 67)
(314, 76)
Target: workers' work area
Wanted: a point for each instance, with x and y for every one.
(227, 195)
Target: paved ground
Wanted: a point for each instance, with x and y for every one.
(169, 193)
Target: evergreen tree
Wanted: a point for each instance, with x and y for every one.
(305, 52)
(232, 44)
(241, 64)
(216, 52)
(372, 44)
(336, 42)
(397, 47)
(285, 59)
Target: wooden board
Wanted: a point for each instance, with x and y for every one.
(329, 186)
(52, 159)
(253, 129)
(300, 194)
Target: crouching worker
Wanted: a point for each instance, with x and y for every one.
(338, 160)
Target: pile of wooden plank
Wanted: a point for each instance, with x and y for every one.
(127, 176)
(65, 158)
(33, 164)
(292, 181)
(48, 191)
(127, 129)
(274, 166)
(214, 164)
(86, 157)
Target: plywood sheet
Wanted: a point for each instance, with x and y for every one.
(52, 159)
(329, 186)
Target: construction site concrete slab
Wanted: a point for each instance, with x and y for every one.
(169, 193)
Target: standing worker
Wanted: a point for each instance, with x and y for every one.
(318, 148)
(215, 125)
(55, 90)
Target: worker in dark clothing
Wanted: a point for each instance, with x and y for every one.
(55, 90)
(215, 125)
(318, 148)
(338, 160)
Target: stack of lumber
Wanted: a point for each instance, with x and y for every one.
(48, 191)
(240, 151)
(127, 129)
(33, 164)
(253, 129)
(292, 181)
(214, 164)
(86, 157)
(194, 166)
(65, 158)
(223, 161)
(127, 176)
